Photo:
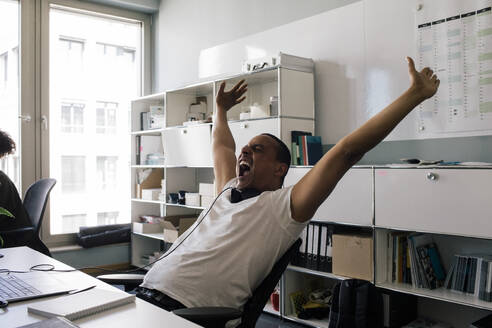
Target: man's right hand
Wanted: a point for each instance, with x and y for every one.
(227, 99)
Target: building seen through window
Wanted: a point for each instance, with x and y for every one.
(72, 222)
(72, 118)
(105, 218)
(95, 65)
(106, 117)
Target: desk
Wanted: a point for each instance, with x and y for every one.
(139, 314)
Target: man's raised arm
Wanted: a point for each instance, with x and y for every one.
(308, 194)
(223, 146)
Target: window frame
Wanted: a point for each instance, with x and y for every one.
(43, 18)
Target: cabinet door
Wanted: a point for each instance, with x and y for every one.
(188, 146)
(448, 201)
(244, 131)
(351, 200)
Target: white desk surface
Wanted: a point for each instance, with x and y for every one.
(139, 314)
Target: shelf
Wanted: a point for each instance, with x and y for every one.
(155, 235)
(148, 166)
(441, 294)
(269, 309)
(148, 201)
(311, 322)
(315, 273)
(152, 131)
(186, 206)
(188, 167)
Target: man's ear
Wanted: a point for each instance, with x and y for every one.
(281, 169)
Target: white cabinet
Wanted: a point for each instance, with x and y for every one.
(350, 202)
(447, 201)
(188, 146)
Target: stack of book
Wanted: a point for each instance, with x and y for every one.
(305, 148)
(471, 274)
(415, 259)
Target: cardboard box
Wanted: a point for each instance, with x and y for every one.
(175, 226)
(153, 181)
(352, 256)
(151, 194)
(147, 227)
(206, 189)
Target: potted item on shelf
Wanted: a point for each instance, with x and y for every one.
(172, 198)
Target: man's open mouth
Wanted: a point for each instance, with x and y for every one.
(244, 169)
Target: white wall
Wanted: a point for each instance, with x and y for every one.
(358, 47)
(183, 28)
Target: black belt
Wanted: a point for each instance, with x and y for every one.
(158, 298)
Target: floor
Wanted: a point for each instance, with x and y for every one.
(271, 321)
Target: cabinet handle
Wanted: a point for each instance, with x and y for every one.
(244, 126)
(432, 176)
(184, 131)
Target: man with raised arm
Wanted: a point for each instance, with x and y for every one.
(253, 221)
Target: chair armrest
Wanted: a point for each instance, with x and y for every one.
(18, 231)
(18, 237)
(209, 316)
(122, 279)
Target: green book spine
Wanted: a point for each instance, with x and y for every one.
(294, 153)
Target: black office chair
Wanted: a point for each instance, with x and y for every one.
(217, 317)
(35, 201)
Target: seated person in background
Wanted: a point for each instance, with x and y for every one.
(234, 244)
(9, 197)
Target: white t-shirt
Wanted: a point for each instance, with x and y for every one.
(229, 253)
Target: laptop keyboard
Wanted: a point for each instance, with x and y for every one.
(12, 287)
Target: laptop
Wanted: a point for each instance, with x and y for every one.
(15, 287)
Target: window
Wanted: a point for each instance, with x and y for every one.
(106, 117)
(71, 54)
(93, 69)
(4, 67)
(105, 218)
(110, 51)
(73, 174)
(72, 222)
(72, 118)
(106, 172)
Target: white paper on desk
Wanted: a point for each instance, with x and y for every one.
(82, 304)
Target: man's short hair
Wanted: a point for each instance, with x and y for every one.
(7, 145)
(283, 153)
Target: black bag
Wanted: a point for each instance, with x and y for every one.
(356, 304)
(103, 235)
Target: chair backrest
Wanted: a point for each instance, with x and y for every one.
(254, 307)
(35, 200)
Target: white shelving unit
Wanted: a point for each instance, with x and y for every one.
(449, 203)
(187, 148)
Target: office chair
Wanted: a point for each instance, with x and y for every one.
(217, 317)
(35, 201)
